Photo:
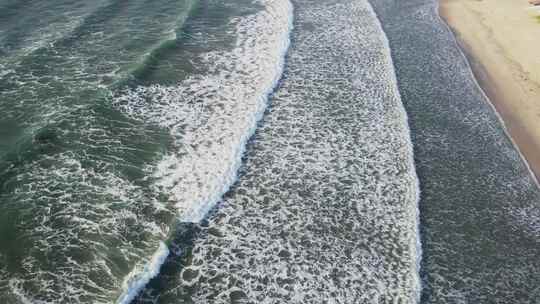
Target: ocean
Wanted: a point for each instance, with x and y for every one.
(480, 203)
(253, 151)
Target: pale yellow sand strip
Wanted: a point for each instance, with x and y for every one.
(502, 41)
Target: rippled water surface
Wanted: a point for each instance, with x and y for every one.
(253, 151)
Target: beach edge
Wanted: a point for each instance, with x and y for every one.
(485, 78)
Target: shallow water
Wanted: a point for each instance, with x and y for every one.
(480, 206)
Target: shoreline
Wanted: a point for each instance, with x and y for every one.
(508, 86)
(522, 139)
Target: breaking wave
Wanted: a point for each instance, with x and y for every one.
(212, 116)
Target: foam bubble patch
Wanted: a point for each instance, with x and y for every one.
(213, 116)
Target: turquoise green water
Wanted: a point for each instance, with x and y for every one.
(78, 209)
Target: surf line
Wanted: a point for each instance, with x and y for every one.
(415, 188)
(135, 282)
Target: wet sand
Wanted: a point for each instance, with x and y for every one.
(500, 40)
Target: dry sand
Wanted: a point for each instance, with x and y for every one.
(502, 40)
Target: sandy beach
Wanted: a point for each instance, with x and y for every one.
(500, 38)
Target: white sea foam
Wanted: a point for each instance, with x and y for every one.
(326, 207)
(213, 116)
(416, 245)
(4, 71)
(142, 274)
(104, 205)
